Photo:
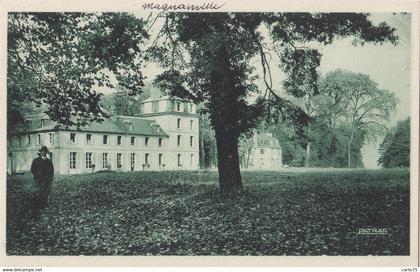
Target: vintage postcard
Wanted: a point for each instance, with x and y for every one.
(209, 133)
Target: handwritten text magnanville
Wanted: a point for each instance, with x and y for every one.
(181, 7)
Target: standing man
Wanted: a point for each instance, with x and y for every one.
(43, 172)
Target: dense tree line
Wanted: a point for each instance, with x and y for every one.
(395, 148)
(328, 146)
(348, 110)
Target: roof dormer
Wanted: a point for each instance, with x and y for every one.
(155, 127)
(129, 124)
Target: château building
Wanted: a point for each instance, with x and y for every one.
(265, 153)
(163, 137)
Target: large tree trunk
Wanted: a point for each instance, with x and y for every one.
(230, 181)
(349, 155)
(214, 154)
(308, 154)
(349, 151)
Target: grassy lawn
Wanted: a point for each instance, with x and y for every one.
(180, 213)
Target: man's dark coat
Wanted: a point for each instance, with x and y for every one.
(43, 172)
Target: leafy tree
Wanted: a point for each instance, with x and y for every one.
(384, 146)
(208, 57)
(309, 133)
(286, 132)
(302, 122)
(56, 60)
(395, 148)
(246, 144)
(356, 104)
(124, 103)
(208, 157)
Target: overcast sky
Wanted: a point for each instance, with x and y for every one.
(386, 64)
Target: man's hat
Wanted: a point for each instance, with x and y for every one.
(44, 148)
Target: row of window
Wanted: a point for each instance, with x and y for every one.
(262, 150)
(27, 139)
(105, 139)
(179, 124)
(176, 106)
(119, 160)
(268, 142)
(179, 140)
(273, 162)
(188, 107)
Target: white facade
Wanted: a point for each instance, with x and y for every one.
(178, 118)
(124, 143)
(266, 153)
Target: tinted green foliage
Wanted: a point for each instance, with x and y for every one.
(181, 213)
(208, 149)
(56, 60)
(328, 146)
(395, 149)
(291, 142)
(348, 110)
(122, 103)
(353, 104)
(209, 57)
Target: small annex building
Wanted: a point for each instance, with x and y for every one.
(266, 152)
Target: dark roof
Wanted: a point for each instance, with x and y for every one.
(172, 112)
(266, 140)
(141, 126)
(114, 124)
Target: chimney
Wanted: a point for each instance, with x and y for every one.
(112, 110)
(155, 93)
